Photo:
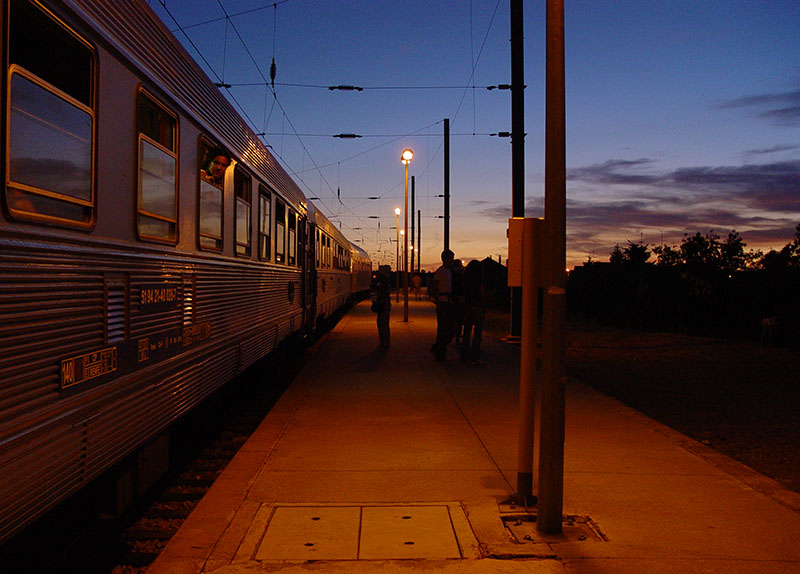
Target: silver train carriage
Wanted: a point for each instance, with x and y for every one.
(360, 271)
(151, 248)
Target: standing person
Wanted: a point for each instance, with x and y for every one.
(474, 312)
(416, 284)
(458, 298)
(383, 302)
(442, 296)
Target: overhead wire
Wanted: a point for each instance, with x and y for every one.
(270, 85)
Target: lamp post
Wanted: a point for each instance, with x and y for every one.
(405, 159)
(397, 251)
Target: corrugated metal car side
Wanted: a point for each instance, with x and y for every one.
(122, 426)
(38, 471)
(99, 425)
(47, 310)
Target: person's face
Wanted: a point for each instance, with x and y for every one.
(218, 166)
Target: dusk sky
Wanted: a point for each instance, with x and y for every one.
(682, 116)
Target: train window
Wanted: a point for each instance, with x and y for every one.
(317, 249)
(210, 216)
(214, 163)
(280, 231)
(327, 252)
(157, 204)
(49, 172)
(291, 256)
(241, 190)
(264, 223)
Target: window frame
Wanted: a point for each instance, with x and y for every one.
(29, 191)
(241, 175)
(205, 145)
(280, 231)
(291, 237)
(264, 198)
(144, 138)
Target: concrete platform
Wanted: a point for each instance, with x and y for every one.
(385, 461)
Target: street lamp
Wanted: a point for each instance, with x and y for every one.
(405, 159)
(397, 251)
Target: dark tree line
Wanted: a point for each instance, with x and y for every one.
(706, 285)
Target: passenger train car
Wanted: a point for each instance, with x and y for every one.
(151, 248)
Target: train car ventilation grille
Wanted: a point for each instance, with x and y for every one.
(188, 300)
(116, 308)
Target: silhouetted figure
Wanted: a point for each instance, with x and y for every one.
(458, 299)
(442, 295)
(416, 285)
(474, 312)
(381, 284)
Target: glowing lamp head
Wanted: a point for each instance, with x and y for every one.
(406, 156)
(397, 211)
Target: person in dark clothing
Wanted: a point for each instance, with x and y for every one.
(474, 312)
(458, 299)
(383, 301)
(442, 294)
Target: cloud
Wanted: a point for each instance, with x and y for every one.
(781, 108)
(773, 149)
(615, 172)
(773, 185)
(761, 201)
(627, 200)
(534, 207)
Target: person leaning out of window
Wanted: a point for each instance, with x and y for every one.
(213, 171)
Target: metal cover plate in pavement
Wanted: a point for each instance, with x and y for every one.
(311, 533)
(359, 532)
(397, 532)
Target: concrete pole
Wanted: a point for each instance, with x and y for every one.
(405, 251)
(551, 441)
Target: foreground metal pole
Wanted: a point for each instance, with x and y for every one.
(517, 145)
(532, 246)
(447, 183)
(419, 239)
(551, 442)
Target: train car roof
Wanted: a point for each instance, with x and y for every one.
(320, 220)
(359, 250)
(134, 30)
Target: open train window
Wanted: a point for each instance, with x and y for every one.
(157, 201)
(291, 243)
(242, 186)
(214, 162)
(49, 173)
(280, 231)
(264, 223)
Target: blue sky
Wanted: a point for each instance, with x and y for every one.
(682, 116)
